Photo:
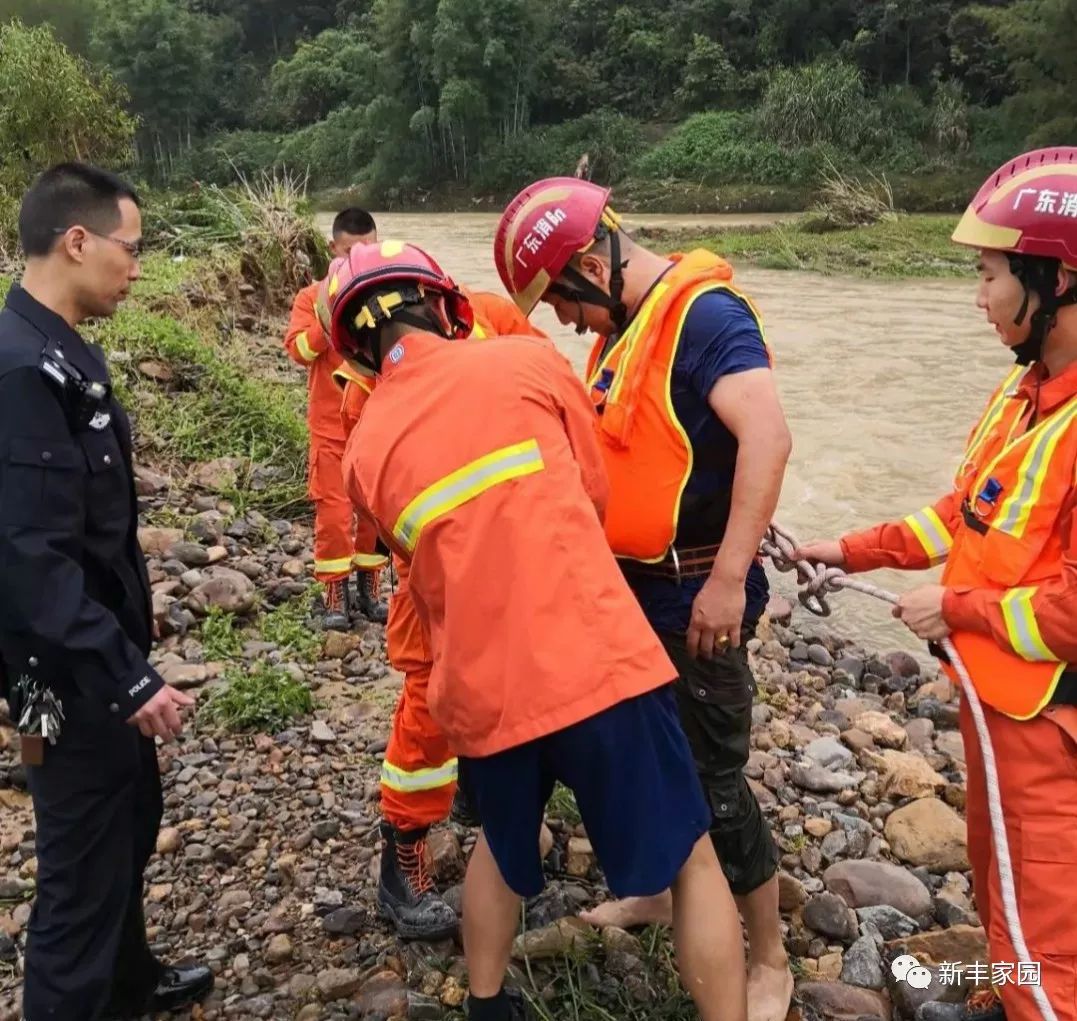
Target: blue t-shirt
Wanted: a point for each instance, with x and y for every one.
(719, 337)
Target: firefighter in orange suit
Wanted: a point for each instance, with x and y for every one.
(341, 543)
(419, 772)
(480, 465)
(1007, 534)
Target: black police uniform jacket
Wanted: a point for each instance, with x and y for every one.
(75, 603)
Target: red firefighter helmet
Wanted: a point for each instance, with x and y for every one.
(543, 228)
(1027, 207)
(372, 283)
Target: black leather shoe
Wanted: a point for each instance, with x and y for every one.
(180, 986)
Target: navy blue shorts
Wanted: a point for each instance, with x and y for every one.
(636, 787)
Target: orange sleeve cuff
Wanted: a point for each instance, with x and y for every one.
(965, 609)
(860, 550)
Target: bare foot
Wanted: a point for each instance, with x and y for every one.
(769, 992)
(632, 911)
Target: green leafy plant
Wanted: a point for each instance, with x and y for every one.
(288, 627)
(220, 639)
(263, 698)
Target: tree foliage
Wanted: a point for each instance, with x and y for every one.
(53, 107)
(409, 95)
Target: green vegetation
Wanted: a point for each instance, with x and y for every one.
(910, 246)
(260, 697)
(53, 106)
(220, 639)
(458, 100)
(584, 985)
(562, 805)
(288, 627)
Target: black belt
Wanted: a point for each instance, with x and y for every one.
(687, 562)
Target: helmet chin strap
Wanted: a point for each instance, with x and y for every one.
(367, 327)
(590, 293)
(1038, 276)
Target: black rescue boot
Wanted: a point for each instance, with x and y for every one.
(367, 601)
(406, 892)
(508, 1005)
(335, 601)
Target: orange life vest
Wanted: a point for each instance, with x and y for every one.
(647, 453)
(1012, 486)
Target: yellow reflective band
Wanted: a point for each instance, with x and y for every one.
(419, 779)
(1015, 511)
(340, 566)
(334, 285)
(302, 342)
(391, 248)
(369, 561)
(477, 332)
(465, 484)
(993, 413)
(1022, 628)
(344, 375)
(931, 533)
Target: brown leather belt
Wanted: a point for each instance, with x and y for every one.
(690, 562)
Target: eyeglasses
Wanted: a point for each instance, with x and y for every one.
(133, 248)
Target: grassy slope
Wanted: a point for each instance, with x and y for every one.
(916, 246)
(215, 404)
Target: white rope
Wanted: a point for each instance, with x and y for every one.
(817, 581)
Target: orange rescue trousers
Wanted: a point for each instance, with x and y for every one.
(342, 540)
(1037, 764)
(418, 776)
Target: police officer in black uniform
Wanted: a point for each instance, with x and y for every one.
(76, 622)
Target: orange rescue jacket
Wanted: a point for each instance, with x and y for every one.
(480, 466)
(307, 345)
(647, 453)
(1008, 539)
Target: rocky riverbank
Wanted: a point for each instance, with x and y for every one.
(268, 854)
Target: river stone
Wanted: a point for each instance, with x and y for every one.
(961, 943)
(865, 883)
(828, 914)
(882, 728)
(950, 743)
(226, 590)
(862, 965)
(828, 751)
(382, 996)
(336, 983)
(820, 780)
(887, 921)
(928, 832)
(155, 542)
(837, 1001)
(791, 892)
(906, 775)
(190, 554)
(552, 940)
(219, 475)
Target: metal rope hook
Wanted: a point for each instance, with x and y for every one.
(817, 582)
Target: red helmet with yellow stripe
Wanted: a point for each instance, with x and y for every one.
(376, 283)
(1028, 207)
(1028, 210)
(540, 231)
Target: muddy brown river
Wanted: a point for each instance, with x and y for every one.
(881, 381)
